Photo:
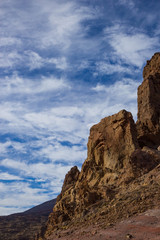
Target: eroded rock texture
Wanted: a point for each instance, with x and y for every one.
(110, 144)
(148, 124)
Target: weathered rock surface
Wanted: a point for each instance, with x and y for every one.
(148, 124)
(152, 66)
(64, 206)
(121, 175)
(110, 144)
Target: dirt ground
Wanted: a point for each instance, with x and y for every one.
(145, 226)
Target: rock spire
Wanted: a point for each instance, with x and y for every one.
(148, 123)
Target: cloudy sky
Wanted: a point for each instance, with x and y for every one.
(64, 65)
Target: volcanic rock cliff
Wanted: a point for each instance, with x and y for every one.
(148, 124)
(121, 175)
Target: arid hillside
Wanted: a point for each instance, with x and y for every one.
(24, 226)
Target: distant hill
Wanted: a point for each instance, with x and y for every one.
(44, 208)
(24, 226)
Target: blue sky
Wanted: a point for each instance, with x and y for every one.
(64, 65)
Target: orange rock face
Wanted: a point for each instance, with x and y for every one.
(110, 145)
(152, 66)
(112, 140)
(148, 124)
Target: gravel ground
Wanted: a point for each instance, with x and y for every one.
(145, 226)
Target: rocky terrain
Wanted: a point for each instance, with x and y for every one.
(120, 179)
(24, 226)
(145, 226)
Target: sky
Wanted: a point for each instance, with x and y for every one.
(64, 65)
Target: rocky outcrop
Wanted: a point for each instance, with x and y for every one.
(116, 177)
(69, 181)
(148, 124)
(110, 145)
(64, 208)
(152, 67)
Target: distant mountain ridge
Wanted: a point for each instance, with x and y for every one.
(24, 226)
(45, 208)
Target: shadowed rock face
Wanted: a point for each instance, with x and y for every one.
(148, 124)
(122, 157)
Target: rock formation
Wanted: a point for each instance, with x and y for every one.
(122, 159)
(148, 124)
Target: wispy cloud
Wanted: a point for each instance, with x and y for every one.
(37, 170)
(106, 68)
(10, 41)
(18, 85)
(127, 3)
(6, 176)
(131, 46)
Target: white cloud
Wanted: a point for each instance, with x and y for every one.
(107, 68)
(65, 24)
(34, 60)
(17, 196)
(37, 170)
(131, 46)
(60, 63)
(55, 27)
(127, 3)
(125, 87)
(58, 152)
(9, 41)
(9, 59)
(63, 119)
(121, 95)
(7, 176)
(4, 146)
(58, 22)
(30, 59)
(19, 85)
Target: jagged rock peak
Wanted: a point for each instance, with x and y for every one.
(112, 140)
(148, 121)
(70, 178)
(110, 144)
(153, 66)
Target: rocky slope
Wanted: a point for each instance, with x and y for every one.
(24, 226)
(121, 175)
